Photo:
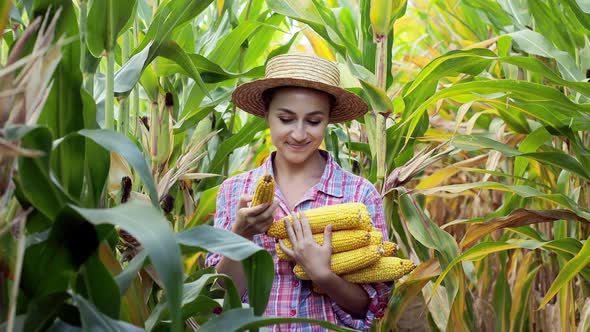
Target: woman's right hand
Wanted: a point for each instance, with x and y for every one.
(253, 220)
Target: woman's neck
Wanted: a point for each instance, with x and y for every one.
(311, 168)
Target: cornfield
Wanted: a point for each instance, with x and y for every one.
(116, 129)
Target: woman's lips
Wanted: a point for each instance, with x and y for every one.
(297, 146)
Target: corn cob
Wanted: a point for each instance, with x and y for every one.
(341, 241)
(367, 225)
(265, 190)
(347, 261)
(389, 248)
(341, 216)
(385, 269)
(376, 237)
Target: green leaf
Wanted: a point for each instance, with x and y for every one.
(96, 159)
(559, 159)
(520, 190)
(239, 319)
(227, 51)
(100, 288)
(173, 14)
(206, 208)
(502, 300)
(568, 272)
(259, 270)
(125, 278)
(535, 43)
(195, 299)
(42, 311)
(106, 20)
(172, 51)
(153, 231)
(128, 75)
(540, 101)
(476, 252)
(241, 138)
(94, 320)
(260, 41)
(63, 109)
(34, 175)
(257, 262)
(308, 12)
(121, 144)
(49, 266)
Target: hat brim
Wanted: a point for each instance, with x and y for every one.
(347, 105)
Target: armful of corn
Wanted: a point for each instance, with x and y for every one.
(359, 252)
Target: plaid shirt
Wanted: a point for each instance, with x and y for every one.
(289, 296)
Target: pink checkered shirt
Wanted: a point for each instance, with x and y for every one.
(289, 296)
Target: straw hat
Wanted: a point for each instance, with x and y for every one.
(301, 71)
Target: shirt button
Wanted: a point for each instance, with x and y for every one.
(293, 312)
(295, 283)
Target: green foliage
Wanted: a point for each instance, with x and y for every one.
(499, 220)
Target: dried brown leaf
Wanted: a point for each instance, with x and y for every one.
(518, 217)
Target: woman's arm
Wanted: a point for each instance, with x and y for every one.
(249, 222)
(350, 297)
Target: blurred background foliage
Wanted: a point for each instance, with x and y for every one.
(117, 129)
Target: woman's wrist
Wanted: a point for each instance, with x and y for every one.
(242, 234)
(322, 277)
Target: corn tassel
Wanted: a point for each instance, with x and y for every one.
(385, 269)
(341, 241)
(340, 216)
(265, 190)
(347, 261)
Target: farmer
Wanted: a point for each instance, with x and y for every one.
(298, 98)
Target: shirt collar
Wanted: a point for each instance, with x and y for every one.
(331, 180)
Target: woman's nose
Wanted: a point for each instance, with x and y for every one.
(299, 133)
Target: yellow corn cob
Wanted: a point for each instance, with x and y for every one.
(265, 190)
(367, 225)
(341, 216)
(341, 241)
(347, 261)
(389, 248)
(376, 237)
(385, 269)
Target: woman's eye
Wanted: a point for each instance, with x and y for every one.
(284, 120)
(314, 122)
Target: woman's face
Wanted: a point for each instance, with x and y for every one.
(297, 118)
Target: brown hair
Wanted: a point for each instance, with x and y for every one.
(268, 94)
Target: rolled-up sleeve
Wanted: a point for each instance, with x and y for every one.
(378, 293)
(221, 219)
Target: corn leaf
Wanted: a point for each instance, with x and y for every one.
(153, 231)
(94, 320)
(516, 218)
(119, 143)
(568, 272)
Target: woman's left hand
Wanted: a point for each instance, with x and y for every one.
(313, 258)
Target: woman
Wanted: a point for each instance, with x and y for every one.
(298, 98)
